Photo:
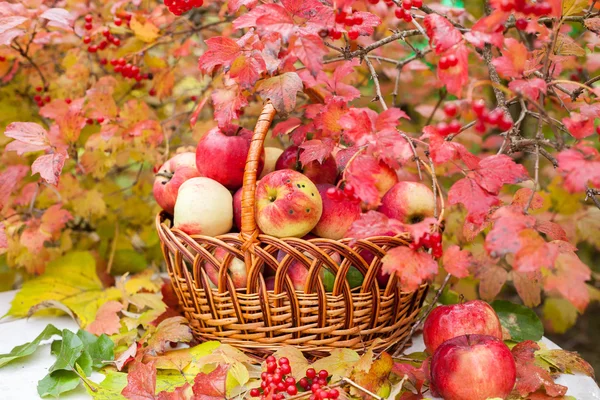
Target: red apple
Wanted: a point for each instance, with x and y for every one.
(288, 204)
(473, 367)
(221, 155)
(170, 176)
(408, 202)
(237, 270)
(237, 209)
(385, 178)
(317, 172)
(203, 206)
(337, 215)
(446, 322)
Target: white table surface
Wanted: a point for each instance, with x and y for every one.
(18, 379)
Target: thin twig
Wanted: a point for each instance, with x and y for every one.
(591, 194)
(437, 105)
(376, 82)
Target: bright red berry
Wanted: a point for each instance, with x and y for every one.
(322, 394)
(443, 128)
(521, 24)
(116, 41)
(323, 374)
(541, 9)
(281, 387)
(353, 35)
(89, 121)
(340, 17)
(88, 18)
(454, 126)
(480, 126)
(303, 383)
(407, 17)
(315, 388)
(450, 109)
(506, 5)
(92, 49)
(292, 390)
(100, 120)
(118, 21)
(286, 369)
(271, 366)
(68, 101)
(88, 26)
(311, 373)
(87, 39)
(255, 392)
(505, 122)
(478, 107)
(407, 4)
(373, 1)
(37, 98)
(152, 92)
(283, 360)
(335, 35)
(443, 63)
(452, 60)
(334, 394)
(399, 13)
(417, 3)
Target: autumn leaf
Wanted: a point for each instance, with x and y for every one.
(228, 103)
(504, 236)
(333, 87)
(566, 361)
(455, 78)
(71, 280)
(373, 223)
(417, 376)
(531, 88)
(361, 173)
(530, 377)
(107, 321)
(9, 179)
(491, 276)
(580, 167)
(49, 167)
(281, 90)
(58, 17)
(412, 267)
(578, 125)
(513, 61)
(486, 30)
(211, 386)
(141, 382)
(568, 278)
(337, 363)
(146, 31)
(28, 137)
(456, 261)
(528, 286)
(572, 7)
(184, 392)
(175, 329)
(375, 377)
(29, 348)
(442, 34)
(522, 196)
(476, 199)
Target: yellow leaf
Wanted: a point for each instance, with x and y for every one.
(559, 315)
(145, 31)
(89, 204)
(337, 363)
(297, 360)
(588, 227)
(164, 82)
(70, 280)
(566, 46)
(563, 202)
(572, 7)
(236, 376)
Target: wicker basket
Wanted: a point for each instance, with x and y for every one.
(260, 321)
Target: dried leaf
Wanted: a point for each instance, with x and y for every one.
(530, 377)
(572, 7)
(281, 90)
(107, 320)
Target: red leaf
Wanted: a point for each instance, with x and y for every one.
(455, 78)
(491, 277)
(327, 117)
(413, 268)
(175, 329)
(234, 5)
(486, 30)
(286, 127)
(513, 62)
(281, 90)
(181, 393)
(442, 34)
(476, 199)
(534, 252)
(440, 149)
(552, 230)
(456, 261)
(370, 21)
(310, 50)
(579, 125)
(333, 86)
(126, 357)
(416, 376)
(49, 167)
(495, 171)
(392, 148)
(28, 136)
(530, 377)
(504, 236)
(358, 123)
(3, 239)
(9, 179)
(531, 88)
(211, 386)
(361, 174)
(54, 220)
(580, 167)
(141, 382)
(228, 103)
(528, 287)
(107, 321)
(221, 51)
(317, 150)
(522, 197)
(418, 230)
(568, 278)
(373, 223)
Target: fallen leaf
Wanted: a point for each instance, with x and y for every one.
(531, 377)
(29, 348)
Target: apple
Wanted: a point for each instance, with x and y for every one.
(317, 172)
(271, 156)
(447, 322)
(385, 178)
(170, 176)
(221, 155)
(237, 270)
(473, 367)
(237, 209)
(408, 202)
(288, 204)
(337, 216)
(203, 206)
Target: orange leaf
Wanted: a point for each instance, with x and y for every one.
(107, 321)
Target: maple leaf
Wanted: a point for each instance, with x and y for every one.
(363, 125)
(530, 377)
(487, 30)
(9, 179)
(512, 64)
(281, 90)
(568, 278)
(416, 376)
(455, 78)
(412, 267)
(211, 386)
(317, 150)
(442, 34)
(476, 199)
(531, 88)
(373, 223)
(332, 86)
(580, 167)
(578, 125)
(141, 382)
(175, 329)
(107, 321)
(534, 252)
(528, 286)
(504, 236)
(228, 103)
(49, 167)
(456, 261)
(28, 136)
(495, 171)
(361, 174)
(491, 276)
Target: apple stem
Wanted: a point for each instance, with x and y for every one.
(461, 298)
(167, 175)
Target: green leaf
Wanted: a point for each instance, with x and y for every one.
(85, 363)
(29, 348)
(572, 7)
(56, 383)
(70, 280)
(55, 347)
(100, 348)
(521, 322)
(71, 348)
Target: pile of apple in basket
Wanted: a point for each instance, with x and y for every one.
(203, 193)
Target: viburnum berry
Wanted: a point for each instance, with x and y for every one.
(480, 126)
(315, 388)
(87, 39)
(292, 390)
(373, 1)
(358, 20)
(454, 126)
(399, 13)
(505, 122)
(68, 101)
(443, 128)
(335, 35)
(103, 61)
(88, 26)
(103, 44)
(254, 392)
(271, 366)
(323, 33)
(311, 373)
(303, 382)
(506, 5)
(541, 9)
(323, 374)
(521, 24)
(407, 17)
(452, 60)
(353, 35)
(417, 3)
(101, 120)
(478, 107)
(494, 116)
(340, 17)
(89, 121)
(444, 63)
(450, 109)
(92, 49)
(286, 369)
(88, 18)
(407, 4)
(152, 92)
(118, 21)
(39, 89)
(37, 98)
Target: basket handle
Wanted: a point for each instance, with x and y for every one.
(251, 169)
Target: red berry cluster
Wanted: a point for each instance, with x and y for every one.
(179, 7)
(101, 43)
(348, 193)
(406, 4)
(538, 9)
(432, 241)
(346, 18)
(521, 24)
(452, 127)
(448, 61)
(39, 99)
(495, 117)
(128, 70)
(315, 382)
(276, 380)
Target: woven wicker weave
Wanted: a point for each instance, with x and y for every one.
(260, 321)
